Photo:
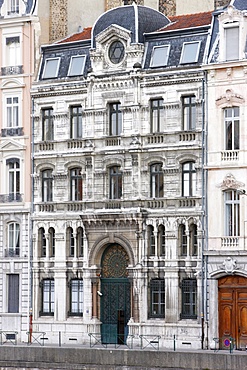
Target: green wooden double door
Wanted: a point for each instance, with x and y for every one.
(115, 299)
(115, 310)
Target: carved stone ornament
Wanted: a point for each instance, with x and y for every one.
(229, 99)
(230, 265)
(230, 182)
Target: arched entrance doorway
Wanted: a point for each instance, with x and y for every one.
(233, 311)
(115, 299)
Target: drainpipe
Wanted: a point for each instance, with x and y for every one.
(31, 228)
(204, 189)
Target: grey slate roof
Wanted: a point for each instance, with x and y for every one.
(137, 19)
(30, 5)
(240, 4)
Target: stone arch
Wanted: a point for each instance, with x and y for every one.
(102, 243)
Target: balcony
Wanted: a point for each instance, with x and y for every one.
(117, 204)
(230, 242)
(13, 131)
(12, 70)
(230, 155)
(11, 198)
(12, 252)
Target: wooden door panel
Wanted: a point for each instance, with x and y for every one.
(242, 318)
(233, 310)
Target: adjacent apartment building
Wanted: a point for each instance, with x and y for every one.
(18, 25)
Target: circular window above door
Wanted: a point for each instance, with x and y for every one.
(116, 52)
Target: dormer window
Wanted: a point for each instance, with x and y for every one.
(116, 52)
(51, 68)
(232, 41)
(13, 7)
(77, 65)
(160, 56)
(190, 52)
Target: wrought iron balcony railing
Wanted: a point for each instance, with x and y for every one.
(12, 70)
(10, 198)
(12, 252)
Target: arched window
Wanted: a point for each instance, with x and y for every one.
(193, 240)
(13, 239)
(42, 242)
(182, 237)
(151, 240)
(80, 242)
(47, 186)
(162, 240)
(51, 233)
(70, 242)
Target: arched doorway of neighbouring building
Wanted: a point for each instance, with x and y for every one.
(233, 311)
(115, 300)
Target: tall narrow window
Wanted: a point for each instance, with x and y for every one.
(76, 122)
(70, 241)
(75, 184)
(115, 119)
(76, 297)
(14, 179)
(232, 213)
(157, 181)
(51, 232)
(188, 179)
(231, 117)
(47, 297)
(157, 298)
(80, 242)
(12, 106)
(162, 240)
(151, 240)
(13, 54)
(115, 183)
(182, 237)
(193, 240)
(47, 124)
(189, 113)
(13, 293)
(42, 242)
(47, 186)
(13, 239)
(189, 298)
(232, 42)
(157, 115)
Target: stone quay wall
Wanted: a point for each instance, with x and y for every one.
(51, 358)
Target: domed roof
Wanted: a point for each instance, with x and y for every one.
(135, 18)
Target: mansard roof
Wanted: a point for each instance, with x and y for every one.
(30, 5)
(135, 18)
(240, 4)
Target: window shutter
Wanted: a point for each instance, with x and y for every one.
(13, 296)
(232, 43)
